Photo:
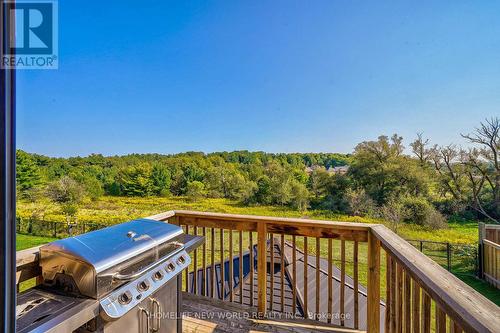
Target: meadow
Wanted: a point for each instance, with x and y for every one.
(111, 210)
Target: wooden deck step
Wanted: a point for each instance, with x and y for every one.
(206, 315)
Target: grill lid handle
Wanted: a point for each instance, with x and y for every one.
(131, 276)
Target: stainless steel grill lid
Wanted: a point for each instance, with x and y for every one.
(96, 263)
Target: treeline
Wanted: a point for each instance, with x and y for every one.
(250, 177)
(420, 183)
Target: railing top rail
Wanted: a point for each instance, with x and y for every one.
(27, 256)
(162, 216)
(463, 304)
(491, 243)
(492, 226)
(271, 219)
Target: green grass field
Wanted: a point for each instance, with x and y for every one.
(27, 241)
(111, 210)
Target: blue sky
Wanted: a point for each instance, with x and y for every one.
(277, 76)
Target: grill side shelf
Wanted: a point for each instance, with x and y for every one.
(192, 242)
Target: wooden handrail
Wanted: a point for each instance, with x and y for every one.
(291, 226)
(409, 270)
(492, 244)
(472, 311)
(272, 219)
(162, 216)
(27, 264)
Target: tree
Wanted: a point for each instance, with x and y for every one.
(337, 189)
(246, 192)
(136, 180)
(451, 172)
(300, 196)
(224, 180)
(394, 213)
(472, 176)
(195, 190)
(380, 168)
(263, 194)
(359, 203)
(68, 193)
(484, 164)
(27, 172)
(161, 179)
(89, 177)
(420, 150)
(318, 182)
(65, 190)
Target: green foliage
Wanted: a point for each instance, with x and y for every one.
(161, 179)
(318, 183)
(418, 210)
(27, 172)
(337, 189)
(195, 190)
(65, 191)
(300, 196)
(88, 177)
(68, 193)
(394, 212)
(69, 209)
(359, 203)
(136, 180)
(380, 168)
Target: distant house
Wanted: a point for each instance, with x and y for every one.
(339, 170)
(312, 273)
(310, 169)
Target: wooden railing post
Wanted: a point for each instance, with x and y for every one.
(261, 267)
(373, 290)
(480, 256)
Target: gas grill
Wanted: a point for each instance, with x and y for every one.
(125, 278)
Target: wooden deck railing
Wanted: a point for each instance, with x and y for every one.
(327, 265)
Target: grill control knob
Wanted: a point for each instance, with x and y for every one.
(158, 276)
(143, 285)
(181, 260)
(170, 267)
(125, 298)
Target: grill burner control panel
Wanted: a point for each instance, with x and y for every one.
(123, 299)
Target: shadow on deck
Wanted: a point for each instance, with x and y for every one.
(202, 315)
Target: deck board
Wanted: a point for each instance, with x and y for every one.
(205, 315)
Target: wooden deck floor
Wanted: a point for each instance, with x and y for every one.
(203, 315)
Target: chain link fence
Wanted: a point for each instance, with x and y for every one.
(456, 258)
(54, 229)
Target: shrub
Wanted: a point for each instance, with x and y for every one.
(65, 190)
(417, 209)
(360, 203)
(420, 211)
(436, 220)
(393, 212)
